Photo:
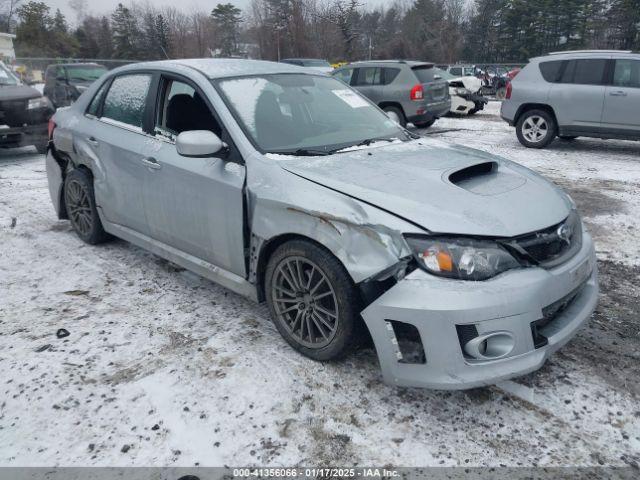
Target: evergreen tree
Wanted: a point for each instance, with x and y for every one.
(126, 34)
(227, 18)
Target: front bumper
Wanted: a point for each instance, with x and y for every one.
(23, 136)
(507, 303)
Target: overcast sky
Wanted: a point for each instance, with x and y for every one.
(107, 6)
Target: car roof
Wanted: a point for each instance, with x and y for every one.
(86, 64)
(587, 53)
(215, 68)
(410, 63)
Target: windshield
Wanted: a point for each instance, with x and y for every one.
(6, 77)
(85, 73)
(306, 114)
(316, 63)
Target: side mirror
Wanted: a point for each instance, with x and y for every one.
(199, 144)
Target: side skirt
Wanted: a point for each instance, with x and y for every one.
(218, 275)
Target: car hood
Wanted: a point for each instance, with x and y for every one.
(440, 187)
(18, 92)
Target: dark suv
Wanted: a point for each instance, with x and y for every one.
(24, 113)
(64, 82)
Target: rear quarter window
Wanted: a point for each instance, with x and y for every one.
(551, 70)
(424, 74)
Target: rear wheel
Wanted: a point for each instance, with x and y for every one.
(536, 129)
(395, 114)
(425, 124)
(81, 207)
(312, 300)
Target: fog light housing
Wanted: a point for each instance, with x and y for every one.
(490, 346)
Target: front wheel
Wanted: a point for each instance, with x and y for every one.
(312, 299)
(536, 129)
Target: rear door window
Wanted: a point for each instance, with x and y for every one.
(588, 71)
(424, 73)
(126, 99)
(627, 73)
(368, 76)
(94, 106)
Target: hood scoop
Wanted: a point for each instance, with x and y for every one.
(486, 178)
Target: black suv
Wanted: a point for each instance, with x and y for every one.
(64, 82)
(24, 113)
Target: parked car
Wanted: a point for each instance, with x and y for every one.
(464, 91)
(461, 70)
(287, 186)
(24, 113)
(64, 82)
(590, 93)
(315, 63)
(407, 91)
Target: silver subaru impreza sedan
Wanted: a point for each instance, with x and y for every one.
(289, 187)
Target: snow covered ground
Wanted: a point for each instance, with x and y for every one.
(162, 367)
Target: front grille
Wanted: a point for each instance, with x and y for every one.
(15, 112)
(551, 246)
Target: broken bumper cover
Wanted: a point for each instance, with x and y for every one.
(510, 303)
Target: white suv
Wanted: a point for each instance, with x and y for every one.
(593, 93)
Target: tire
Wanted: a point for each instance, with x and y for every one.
(290, 266)
(473, 111)
(567, 137)
(81, 207)
(501, 93)
(395, 114)
(536, 128)
(425, 124)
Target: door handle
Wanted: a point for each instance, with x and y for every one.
(618, 93)
(151, 163)
(93, 141)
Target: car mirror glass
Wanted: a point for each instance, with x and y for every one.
(199, 144)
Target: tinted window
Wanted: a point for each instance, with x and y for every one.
(551, 70)
(89, 73)
(182, 109)
(344, 75)
(369, 76)
(585, 72)
(627, 73)
(457, 71)
(390, 74)
(126, 99)
(424, 74)
(94, 106)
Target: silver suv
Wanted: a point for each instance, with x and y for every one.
(407, 91)
(594, 93)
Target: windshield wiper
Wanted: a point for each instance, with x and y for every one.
(305, 152)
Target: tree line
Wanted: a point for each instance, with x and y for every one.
(338, 30)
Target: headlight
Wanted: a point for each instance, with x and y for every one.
(461, 258)
(40, 102)
(462, 91)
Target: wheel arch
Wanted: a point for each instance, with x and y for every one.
(534, 106)
(397, 105)
(266, 249)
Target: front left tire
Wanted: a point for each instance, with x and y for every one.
(81, 207)
(312, 300)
